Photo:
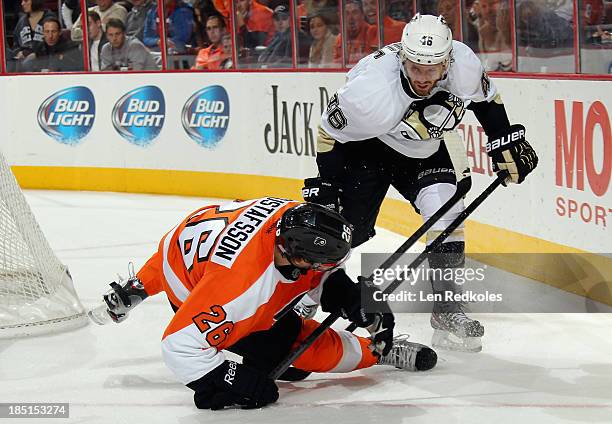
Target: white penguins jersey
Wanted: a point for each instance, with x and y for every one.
(377, 101)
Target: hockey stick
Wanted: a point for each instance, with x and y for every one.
(456, 152)
(463, 186)
(327, 322)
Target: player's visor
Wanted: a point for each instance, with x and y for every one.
(322, 267)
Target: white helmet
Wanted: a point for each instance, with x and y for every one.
(427, 40)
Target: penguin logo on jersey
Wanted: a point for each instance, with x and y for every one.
(429, 118)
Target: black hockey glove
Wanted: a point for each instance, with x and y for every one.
(510, 151)
(326, 193)
(233, 384)
(381, 333)
(342, 296)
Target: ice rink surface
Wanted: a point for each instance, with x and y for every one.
(534, 368)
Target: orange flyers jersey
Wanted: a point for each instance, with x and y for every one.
(218, 265)
(210, 58)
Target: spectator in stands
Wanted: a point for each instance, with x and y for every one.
(97, 40)
(593, 15)
(362, 38)
(540, 26)
(484, 18)
(392, 29)
(55, 54)
(223, 7)
(135, 23)
(323, 41)
(488, 32)
(179, 27)
(70, 11)
(28, 33)
(254, 22)
(314, 7)
(228, 62)
(448, 9)
(210, 58)
(107, 10)
(123, 53)
(279, 53)
(202, 10)
(400, 9)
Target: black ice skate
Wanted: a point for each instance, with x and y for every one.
(454, 330)
(409, 356)
(119, 300)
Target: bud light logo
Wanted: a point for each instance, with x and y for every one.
(68, 115)
(139, 115)
(206, 115)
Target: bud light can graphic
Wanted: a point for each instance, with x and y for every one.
(68, 115)
(138, 116)
(206, 114)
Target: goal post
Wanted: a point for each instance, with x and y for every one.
(36, 291)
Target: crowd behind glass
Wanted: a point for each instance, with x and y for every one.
(521, 35)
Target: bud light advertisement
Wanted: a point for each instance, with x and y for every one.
(68, 115)
(206, 114)
(138, 116)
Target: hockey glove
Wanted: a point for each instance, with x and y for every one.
(381, 333)
(323, 192)
(510, 151)
(233, 384)
(342, 296)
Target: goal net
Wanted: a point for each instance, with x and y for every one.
(36, 291)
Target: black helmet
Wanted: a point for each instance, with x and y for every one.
(314, 233)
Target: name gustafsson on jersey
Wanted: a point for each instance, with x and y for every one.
(238, 234)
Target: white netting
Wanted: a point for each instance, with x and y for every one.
(36, 291)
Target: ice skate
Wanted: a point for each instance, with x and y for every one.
(409, 356)
(454, 330)
(119, 300)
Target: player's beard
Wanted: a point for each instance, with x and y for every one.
(423, 88)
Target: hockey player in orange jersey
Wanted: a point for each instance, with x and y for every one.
(232, 274)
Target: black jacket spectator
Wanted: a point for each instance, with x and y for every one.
(56, 54)
(26, 38)
(62, 57)
(279, 51)
(540, 27)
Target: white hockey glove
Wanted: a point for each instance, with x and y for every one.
(306, 307)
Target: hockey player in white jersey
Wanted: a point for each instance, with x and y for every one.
(385, 126)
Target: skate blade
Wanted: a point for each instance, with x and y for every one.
(99, 315)
(447, 341)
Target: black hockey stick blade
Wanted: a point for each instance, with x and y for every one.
(331, 318)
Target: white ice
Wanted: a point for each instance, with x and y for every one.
(534, 368)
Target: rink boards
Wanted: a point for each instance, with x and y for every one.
(252, 134)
